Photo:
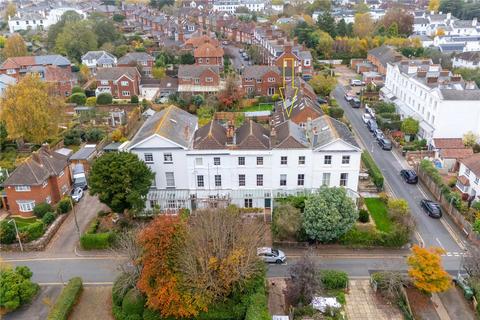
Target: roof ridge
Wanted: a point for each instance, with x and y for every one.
(167, 112)
(31, 169)
(330, 124)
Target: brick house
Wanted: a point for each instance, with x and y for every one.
(287, 58)
(381, 56)
(198, 79)
(43, 177)
(208, 54)
(141, 60)
(302, 109)
(120, 82)
(17, 67)
(61, 80)
(261, 80)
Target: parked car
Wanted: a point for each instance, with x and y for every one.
(366, 117)
(431, 208)
(77, 194)
(79, 178)
(355, 102)
(270, 255)
(370, 111)
(321, 100)
(224, 43)
(356, 82)
(385, 143)
(378, 134)
(348, 96)
(462, 281)
(372, 125)
(409, 176)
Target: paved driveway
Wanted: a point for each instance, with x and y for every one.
(40, 306)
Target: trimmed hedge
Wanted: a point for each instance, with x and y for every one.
(104, 98)
(64, 205)
(363, 216)
(41, 209)
(48, 218)
(91, 241)
(65, 302)
(373, 170)
(334, 279)
(133, 303)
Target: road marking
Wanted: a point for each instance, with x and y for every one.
(453, 234)
(420, 239)
(84, 283)
(441, 246)
(66, 258)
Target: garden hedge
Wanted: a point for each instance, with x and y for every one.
(64, 205)
(91, 241)
(373, 170)
(41, 209)
(48, 218)
(33, 231)
(334, 279)
(65, 302)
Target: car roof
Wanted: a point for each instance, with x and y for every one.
(264, 250)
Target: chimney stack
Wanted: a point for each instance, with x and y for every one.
(230, 132)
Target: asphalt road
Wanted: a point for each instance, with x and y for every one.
(432, 232)
(235, 57)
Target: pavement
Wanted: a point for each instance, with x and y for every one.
(39, 307)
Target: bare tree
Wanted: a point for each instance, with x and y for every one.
(389, 284)
(126, 245)
(472, 262)
(305, 280)
(220, 251)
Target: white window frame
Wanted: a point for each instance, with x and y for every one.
(283, 180)
(329, 161)
(345, 160)
(301, 160)
(301, 179)
(242, 180)
(148, 157)
(26, 205)
(259, 180)
(241, 161)
(124, 83)
(200, 181)
(259, 161)
(248, 203)
(218, 180)
(167, 157)
(343, 181)
(104, 82)
(326, 177)
(217, 161)
(125, 93)
(22, 188)
(170, 179)
(284, 160)
(198, 162)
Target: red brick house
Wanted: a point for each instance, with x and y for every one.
(120, 82)
(261, 80)
(382, 55)
(208, 54)
(61, 80)
(141, 60)
(17, 67)
(43, 177)
(198, 79)
(195, 42)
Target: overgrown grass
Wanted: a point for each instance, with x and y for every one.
(258, 107)
(378, 211)
(23, 222)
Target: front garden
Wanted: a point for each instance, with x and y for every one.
(377, 222)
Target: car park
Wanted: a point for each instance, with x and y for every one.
(77, 194)
(409, 176)
(270, 255)
(385, 143)
(378, 134)
(372, 125)
(355, 102)
(366, 117)
(431, 208)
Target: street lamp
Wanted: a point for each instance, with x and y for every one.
(74, 216)
(16, 231)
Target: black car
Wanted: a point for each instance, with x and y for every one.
(385, 143)
(372, 125)
(321, 100)
(431, 208)
(409, 176)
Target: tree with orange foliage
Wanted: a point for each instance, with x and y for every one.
(162, 241)
(426, 269)
(230, 95)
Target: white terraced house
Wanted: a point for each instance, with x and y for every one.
(445, 104)
(247, 166)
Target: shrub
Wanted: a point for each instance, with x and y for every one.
(41, 209)
(33, 231)
(257, 308)
(94, 135)
(78, 98)
(334, 279)
(91, 241)
(287, 221)
(431, 171)
(373, 170)
(133, 302)
(92, 228)
(104, 98)
(64, 205)
(335, 112)
(134, 99)
(73, 137)
(7, 232)
(476, 226)
(91, 101)
(66, 300)
(102, 213)
(384, 197)
(77, 89)
(48, 218)
(363, 216)
(16, 287)
(120, 288)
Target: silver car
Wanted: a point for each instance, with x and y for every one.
(270, 255)
(77, 194)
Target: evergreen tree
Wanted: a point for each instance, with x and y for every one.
(342, 28)
(326, 22)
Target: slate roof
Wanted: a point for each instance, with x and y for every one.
(473, 163)
(385, 54)
(100, 56)
(194, 71)
(473, 56)
(289, 135)
(84, 153)
(326, 129)
(171, 123)
(133, 57)
(115, 73)
(252, 135)
(7, 79)
(40, 166)
(299, 104)
(53, 59)
(211, 136)
(452, 94)
(257, 72)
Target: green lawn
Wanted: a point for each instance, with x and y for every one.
(22, 222)
(378, 211)
(258, 107)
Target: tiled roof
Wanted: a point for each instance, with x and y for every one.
(17, 62)
(197, 41)
(456, 153)
(133, 57)
(208, 50)
(43, 164)
(252, 135)
(473, 56)
(211, 136)
(289, 135)
(194, 71)
(257, 72)
(171, 123)
(54, 74)
(385, 54)
(473, 163)
(326, 129)
(448, 143)
(116, 72)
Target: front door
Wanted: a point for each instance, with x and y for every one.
(268, 203)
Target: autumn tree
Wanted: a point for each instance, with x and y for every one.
(76, 39)
(363, 25)
(410, 126)
(15, 46)
(426, 269)
(158, 72)
(433, 5)
(220, 252)
(162, 242)
(10, 10)
(121, 181)
(231, 93)
(401, 19)
(325, 44)
(470, 138)
(323, 84)
(29, 111)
